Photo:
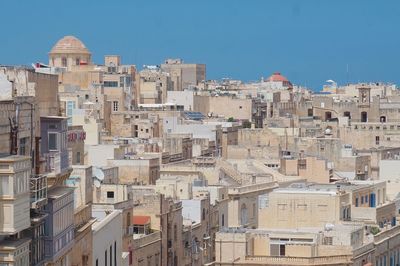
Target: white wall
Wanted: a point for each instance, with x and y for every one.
(106, 232)
(191, 209)
(5, 87)
(98, 154)
(184, 98)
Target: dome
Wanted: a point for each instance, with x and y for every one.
(69, 45)
(277, 77)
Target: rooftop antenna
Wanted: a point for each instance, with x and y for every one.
(347, 74)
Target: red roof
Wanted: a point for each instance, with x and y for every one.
(141, 220)
(277, 77)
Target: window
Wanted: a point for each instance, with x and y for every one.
(78, 157)
(282, 250)
(277, 250)
(377, 140)
(64, 61)
(115, 106)
(110, 194)
(22, 146)
(328, 116)
(356, 202)
(223, 220)
(328, 240)
(204, 214)
(70, 108)
(364, 117)
(78, 61)
(53, 141)
(111, 84)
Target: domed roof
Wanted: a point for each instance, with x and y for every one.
(277, 77)
(69, 45)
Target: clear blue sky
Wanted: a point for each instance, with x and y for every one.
(309, 41)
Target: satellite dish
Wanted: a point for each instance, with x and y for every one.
(96, 183)
(98, 174)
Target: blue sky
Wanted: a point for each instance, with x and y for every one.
(309, 41)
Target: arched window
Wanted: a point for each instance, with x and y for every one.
(382, 119)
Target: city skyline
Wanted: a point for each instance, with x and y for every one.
(344, 41)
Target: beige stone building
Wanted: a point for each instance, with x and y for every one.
(144, 169)
(166, 217)
(311, 168)
(147, 249)
(216, 106)
(153, 85)
(184, 75)
(302, 206)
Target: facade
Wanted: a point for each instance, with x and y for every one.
(59, 224)
(81, 180)
(107, 242)
(184, 75)
(214, 106)
(54, 148)
(137, 169)
(166, 217)
(76, 142)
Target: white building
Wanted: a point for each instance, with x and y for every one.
(107, 238)
(184, 98)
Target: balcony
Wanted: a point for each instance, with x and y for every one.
(38, 188)
(57, 167)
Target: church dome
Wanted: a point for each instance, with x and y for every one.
(69, 45)
(277, 77)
